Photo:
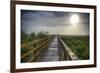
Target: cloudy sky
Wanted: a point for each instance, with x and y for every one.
(55, 22)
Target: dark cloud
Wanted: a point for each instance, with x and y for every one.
(51, 21)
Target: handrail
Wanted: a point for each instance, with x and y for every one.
(42, 43)
(66, 50)
(37, 53)
(33, 49)
(32, 42)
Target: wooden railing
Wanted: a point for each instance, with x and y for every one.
(65, 52)
(30, 50)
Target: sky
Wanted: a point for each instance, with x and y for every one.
(55, 22)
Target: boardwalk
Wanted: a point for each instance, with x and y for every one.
(51, 53)
(46, 49)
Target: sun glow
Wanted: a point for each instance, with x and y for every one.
(74, 19)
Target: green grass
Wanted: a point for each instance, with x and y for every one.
(79, 45)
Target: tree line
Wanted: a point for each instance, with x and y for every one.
(32, 36)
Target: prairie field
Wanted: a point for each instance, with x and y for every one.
(79, 45)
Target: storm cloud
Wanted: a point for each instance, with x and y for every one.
(53, 22)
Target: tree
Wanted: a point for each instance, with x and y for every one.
(24, 37)
(42, 34)
(33, 36)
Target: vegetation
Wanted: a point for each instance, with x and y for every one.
(33, 36)
(79, 45)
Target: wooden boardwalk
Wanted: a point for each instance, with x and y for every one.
(51, 53)
(47, 49)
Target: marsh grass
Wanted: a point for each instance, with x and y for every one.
(79, 45)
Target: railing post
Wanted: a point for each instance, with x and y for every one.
(33, 51)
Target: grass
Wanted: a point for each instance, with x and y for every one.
(79, 45)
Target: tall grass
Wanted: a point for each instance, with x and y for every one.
(79, 45)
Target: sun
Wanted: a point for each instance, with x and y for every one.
(74, 19)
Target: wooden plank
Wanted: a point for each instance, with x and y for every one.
(37, 53)
(51, 53)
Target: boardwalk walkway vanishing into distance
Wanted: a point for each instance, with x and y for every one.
(51, 48)
(51, 53)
